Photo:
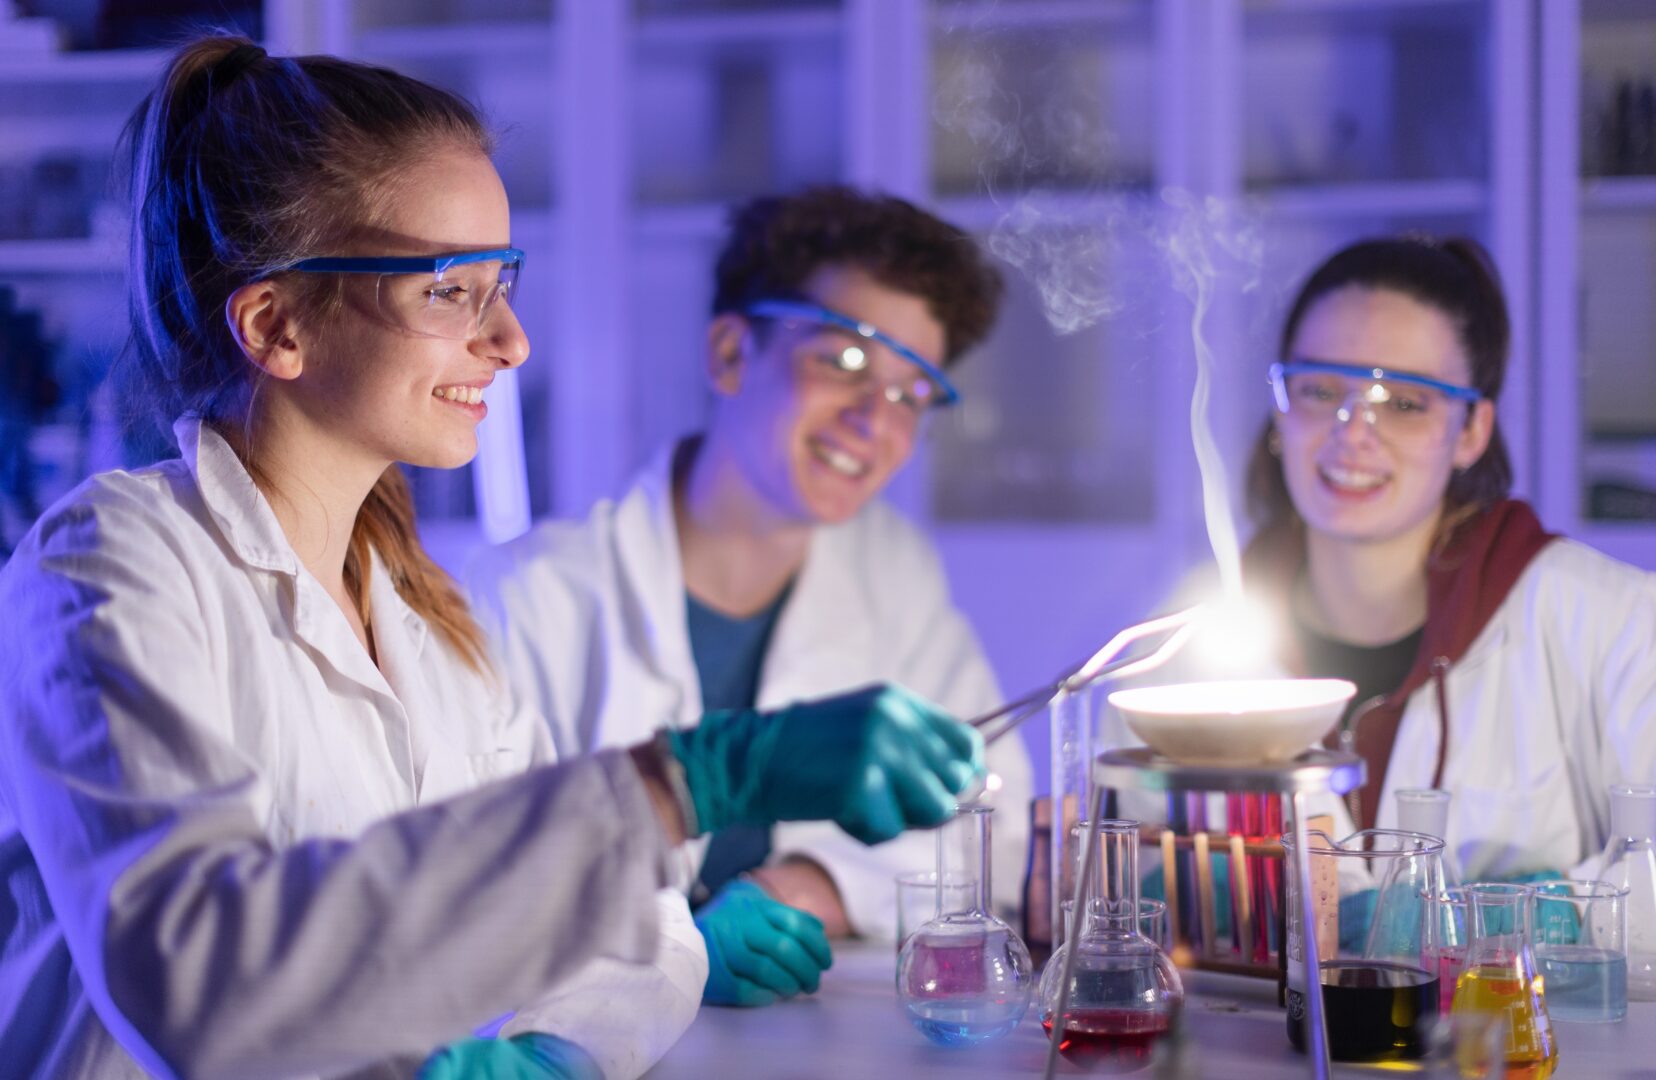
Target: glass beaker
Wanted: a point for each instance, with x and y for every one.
(1581, 949)
(1426, 810)
(964, 978)
(1629, 862)
(1125, 994)
(1380, 1001)
(1500, 977)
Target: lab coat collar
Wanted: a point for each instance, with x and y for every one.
(648, 552)
(820, 636)
(386, 603)
(249, 526)
(237, 506)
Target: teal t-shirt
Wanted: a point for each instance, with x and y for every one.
(730, 654)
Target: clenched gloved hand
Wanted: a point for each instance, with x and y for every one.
(522, 1057)
(876, 761)
(759, 950)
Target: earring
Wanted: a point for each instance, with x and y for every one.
(1273, 443)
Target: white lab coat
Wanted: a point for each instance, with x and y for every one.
(1553, 702)
(233, 846)
(590, 619)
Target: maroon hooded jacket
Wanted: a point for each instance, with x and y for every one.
(1466, 582)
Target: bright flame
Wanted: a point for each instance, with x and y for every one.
(1238, 636)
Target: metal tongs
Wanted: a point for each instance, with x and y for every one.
(1179, 626)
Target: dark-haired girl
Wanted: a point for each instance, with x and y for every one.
(1492, 658)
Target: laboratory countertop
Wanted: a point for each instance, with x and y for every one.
(853, 1027)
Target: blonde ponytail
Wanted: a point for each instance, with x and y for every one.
(386, 524)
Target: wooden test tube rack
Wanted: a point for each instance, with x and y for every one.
(1207, 956)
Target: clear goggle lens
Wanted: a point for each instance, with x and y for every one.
(842, 349)
(442, 296)
(453, 303)
(829, 355)
(1397, 406)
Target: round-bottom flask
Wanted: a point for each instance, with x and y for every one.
(964, 978)
(1125, 994)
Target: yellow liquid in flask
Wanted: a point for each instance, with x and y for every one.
(1531, 1051)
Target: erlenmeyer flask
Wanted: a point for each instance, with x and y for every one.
(1125, 994)
(1426, 810)
(1630, 863)
(1500, 978)
(964, 978)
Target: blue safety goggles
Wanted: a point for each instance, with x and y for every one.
(417, 264)
(443, 296)
(1280, 373)
(946, 393)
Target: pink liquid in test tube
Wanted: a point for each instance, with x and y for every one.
(1449, 963)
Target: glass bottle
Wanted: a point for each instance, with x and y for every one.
(1500, 978)
(964, 978)
(1630, 863)
(1125, 994)
(1426, 810)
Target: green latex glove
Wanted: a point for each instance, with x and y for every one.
(759, 950)
(875, 761)
(522, 1057)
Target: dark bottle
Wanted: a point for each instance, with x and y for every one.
(1037, 883)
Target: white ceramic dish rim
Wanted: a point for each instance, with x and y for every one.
(1234, 697)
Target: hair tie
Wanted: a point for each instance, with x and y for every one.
(235, 63)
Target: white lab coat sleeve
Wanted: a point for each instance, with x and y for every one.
(206, 951)
(627, 1016)
(667, 990)
(939, 657)
(1622, 680)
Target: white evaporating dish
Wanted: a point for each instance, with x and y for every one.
(1248, 722)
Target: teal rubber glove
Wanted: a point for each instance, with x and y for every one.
(759, 950)
(875, 761)
(522, 1057)
(1357, 916)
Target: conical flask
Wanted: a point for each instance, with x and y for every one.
(1630, 863)
(1500, 978)
(1125, 994)
(964, 978)
(1426, 810)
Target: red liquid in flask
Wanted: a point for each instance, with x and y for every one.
(1098, 1037)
